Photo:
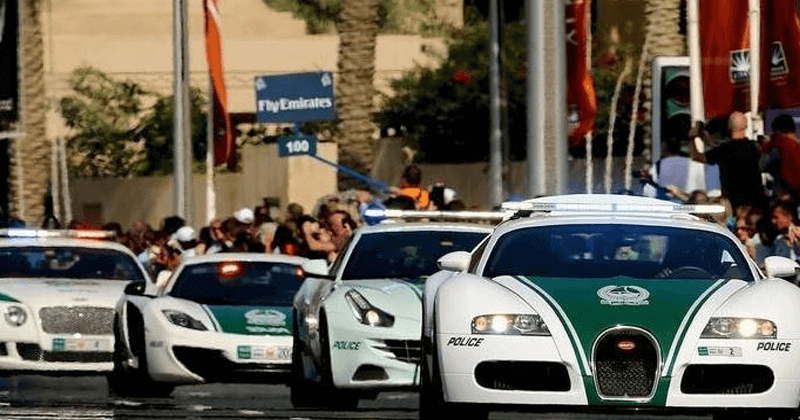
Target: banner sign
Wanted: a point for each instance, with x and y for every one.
(297, 144)
(9, 61)
(295, 98)
(581, 98)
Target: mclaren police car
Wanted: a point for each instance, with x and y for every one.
(605, 302)
(58, 289)
(357, 332)
(223, 317)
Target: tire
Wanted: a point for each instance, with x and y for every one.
(335, 399)
(302, 392)
(432, 404)
(127, 382)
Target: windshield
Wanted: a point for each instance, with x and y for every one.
(600, 251)
(68, 262)
(239, 283)
(408, 255)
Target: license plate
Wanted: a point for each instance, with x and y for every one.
(81, 344)
(263, 353)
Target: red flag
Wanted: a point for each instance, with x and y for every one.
(724, 48)
(780, 54)
(224, 138)
(581, 99)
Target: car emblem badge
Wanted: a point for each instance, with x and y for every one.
(623, 295)
(626, 345)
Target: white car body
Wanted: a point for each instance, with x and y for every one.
(233, 342)
(342, 353)
(600, 327)
(69, 319)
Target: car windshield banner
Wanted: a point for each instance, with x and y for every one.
(295, 98)
(9, 86)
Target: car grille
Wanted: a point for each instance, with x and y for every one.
(522, 376)
(32, 352)
(409, 351)
(626, 363)
(78, 319)
(727, 379)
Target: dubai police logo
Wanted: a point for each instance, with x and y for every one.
(777, 61)
(623, 295)
(269, 317)
(740, 66)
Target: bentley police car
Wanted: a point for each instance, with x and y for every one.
(606, 302)
(357, 333)
(58, 289)
(223, 317)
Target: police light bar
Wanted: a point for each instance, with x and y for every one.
(615, 207)
(60, 233)
(436, 214)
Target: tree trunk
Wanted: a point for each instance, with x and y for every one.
(665, 39)
(34, 147)
(355, 90)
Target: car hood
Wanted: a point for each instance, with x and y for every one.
(591, 306)
(62, 291)
(251, 320)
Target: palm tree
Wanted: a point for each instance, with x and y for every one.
(662, 37)
(34, 149)
(355, 91)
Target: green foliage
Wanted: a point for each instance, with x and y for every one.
(122, 129)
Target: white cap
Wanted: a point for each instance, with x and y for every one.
(244, 215)
(185, 234)
(449, 195)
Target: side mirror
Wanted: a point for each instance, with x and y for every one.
(457, 261)
(316, 267)
(781, 267)
(135, 288)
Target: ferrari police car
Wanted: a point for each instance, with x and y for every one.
(58, 289)
(357, 333)
(605, 302)
(222, 317)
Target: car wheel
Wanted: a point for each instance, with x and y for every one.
(432, 404)
(335, 398)
(127, 382)
(302, 392)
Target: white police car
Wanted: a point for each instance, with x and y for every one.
(357, 333)
(58, 289)
(605, 302)
(223, 317)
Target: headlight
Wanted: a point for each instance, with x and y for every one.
(183, 320)
(739, 328)
(16, 315)
(365, 313)
(509, 324)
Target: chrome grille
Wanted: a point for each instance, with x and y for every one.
(626, 364)
(77, 319)
(409, 351)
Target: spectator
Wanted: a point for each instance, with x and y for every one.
(187, 241)
(784, 143)
(220, 240)
(286, 238)
(784, 218)
(315, 242)
(410, 186)
(341, 226)
(740, 176)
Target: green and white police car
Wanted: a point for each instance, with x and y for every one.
(222, 317)
(607, 302)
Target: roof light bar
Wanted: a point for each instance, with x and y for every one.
(616, 207)
(66, 233)
(436, 214)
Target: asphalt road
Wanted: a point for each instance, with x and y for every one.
(86, 398)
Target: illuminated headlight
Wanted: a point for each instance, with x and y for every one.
(365, 312)
(16, 315)
(183, 320)
(740, 328)
(509, 324)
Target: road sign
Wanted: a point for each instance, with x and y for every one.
(297, 144)
(295, 98)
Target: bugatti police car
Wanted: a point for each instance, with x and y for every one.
(222, 317)
(358, 332)
(57, 295)
(611, 302)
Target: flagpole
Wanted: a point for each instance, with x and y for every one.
(695, 64)
(755, 65)
(589, 137)
(211, 196)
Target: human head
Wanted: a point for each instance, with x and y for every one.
(737, 123)
(341, 226)
(783, 124)
(294, 211)
(187, 237)
(412, 175)
(783, 216)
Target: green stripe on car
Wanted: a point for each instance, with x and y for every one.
(252, 320)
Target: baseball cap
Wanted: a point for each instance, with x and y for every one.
(244, 215)
(185, 234)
